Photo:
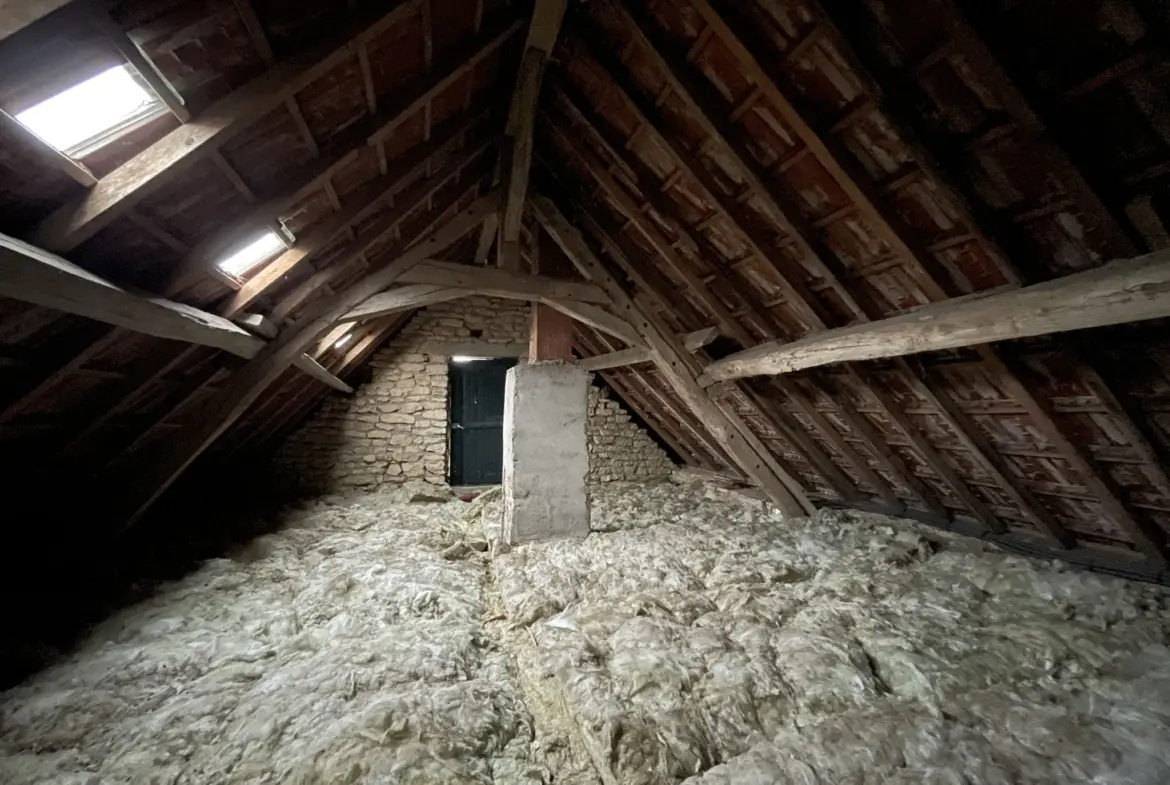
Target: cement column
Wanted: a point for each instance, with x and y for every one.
(545, 455)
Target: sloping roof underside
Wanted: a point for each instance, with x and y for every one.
(772, 167)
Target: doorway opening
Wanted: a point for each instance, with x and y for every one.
(477, 419)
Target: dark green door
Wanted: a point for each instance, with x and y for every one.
(477, 421)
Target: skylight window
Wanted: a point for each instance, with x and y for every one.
(89, 115)
(253, 254)
(343, 340)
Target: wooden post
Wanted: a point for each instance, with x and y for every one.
(552, 334)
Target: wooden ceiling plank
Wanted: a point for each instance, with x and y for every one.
(979, 57)
(1120, 292)
(247, 384)
(727, 322)
(667, 251)
(662, 206)
(358, 138)
(937, 463)
(1148, 538)
(796, 397)
(928, 273)
(670, 358)
(795, 435)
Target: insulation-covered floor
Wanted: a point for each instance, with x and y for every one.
(692, 638)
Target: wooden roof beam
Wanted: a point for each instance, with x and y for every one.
(783, 491)
(402, 298)
(247, 384)
(542, 36)
(119, 191)
(729, 323)
(1122, 291)
(416, 196)
(35, 276)
(487, 279)
(349, 146)
(784, 204)
(696, 438)
(356, 207)
(692, 342)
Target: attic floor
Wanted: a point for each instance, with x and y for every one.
(692, 638)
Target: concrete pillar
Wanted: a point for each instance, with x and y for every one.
(545, 455)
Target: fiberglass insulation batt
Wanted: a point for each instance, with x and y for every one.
(691, 638)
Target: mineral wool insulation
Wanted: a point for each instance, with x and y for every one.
(691, 638)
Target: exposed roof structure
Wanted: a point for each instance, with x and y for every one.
(719, 187)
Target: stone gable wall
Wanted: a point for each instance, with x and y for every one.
(618, 449)
(394, 427)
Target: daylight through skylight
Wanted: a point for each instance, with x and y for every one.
(92, 113)
(255, 253)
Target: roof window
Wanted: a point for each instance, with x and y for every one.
(94, 113)
(252, 255)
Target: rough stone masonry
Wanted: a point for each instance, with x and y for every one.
(394, 428)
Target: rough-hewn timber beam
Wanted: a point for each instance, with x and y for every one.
(486, 279)
(402, 298)
(542, 36)
(250, 381)
(692, 342)
(670, 358)
(1123, 291)
(35, 276)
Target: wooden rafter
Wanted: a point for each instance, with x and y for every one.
(366, 200)
(692, 342)
(345, 149)
(487, 280)
(934, 282)
(413, 198)
(672, 362)
(35, 276)
(247, 384)
(119, 191)
(542, 36)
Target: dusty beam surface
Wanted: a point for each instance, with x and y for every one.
(1123, 291)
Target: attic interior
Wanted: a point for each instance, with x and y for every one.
(585, 391)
